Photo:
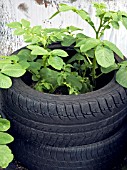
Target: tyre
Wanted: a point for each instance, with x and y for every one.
(65, 120)
(103, 155)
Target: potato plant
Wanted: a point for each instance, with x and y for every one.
(6, 155)
(53, 69)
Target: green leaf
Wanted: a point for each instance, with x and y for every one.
(13, 58)
(100, 9)
(114, 48)
(81, 36)
(65, 7)
(14, 25)
(74, 81)
(5, 138)
(90, 53)
(28, 38)
(115, 24)
(40, 61)
(59, 52)
(67, 41)
(123, 63)
(24, 64)
(34, 66)
(35, 78)
(4, 62)
(99, 5)
(36, 50)
(106, 27)
(73, 28)
(83, 14)
(56, 62)
(108, 15)
(36, 39)
(13, 70)
(89, 44)
(19, 31)
(47, 85)
(39, 87)
(52, 30)
(81, 42)
(67, 68)
(50, 76)
(4, 124)
(56, 13)
(5, 156)
(8, 60)
(86, 87)
(36, 30)
(109, 69)
(5, 81)
(25, 23)
(124, 21)
(121, 76)
(25, 54)
(57, 37)
(104, 56)
(76, 57)
(115, 16)
(122, 13)
(60, 79)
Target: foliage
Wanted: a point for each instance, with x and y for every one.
(5, 153)
(54, 68)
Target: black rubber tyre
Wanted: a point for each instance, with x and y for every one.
(65, 120)
(103, 155)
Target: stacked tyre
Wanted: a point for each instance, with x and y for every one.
(74, 132)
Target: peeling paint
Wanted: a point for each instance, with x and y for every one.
(23, 7)
(43, 2)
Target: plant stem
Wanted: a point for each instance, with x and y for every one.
(93, 70)
(94, 60)
(98, 31)
(104, 27)
(99, 75)
(88, 59)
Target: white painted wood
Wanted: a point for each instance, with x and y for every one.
(38, 12)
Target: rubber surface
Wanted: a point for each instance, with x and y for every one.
(65, 120)
(67, 132)
(103, 155)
